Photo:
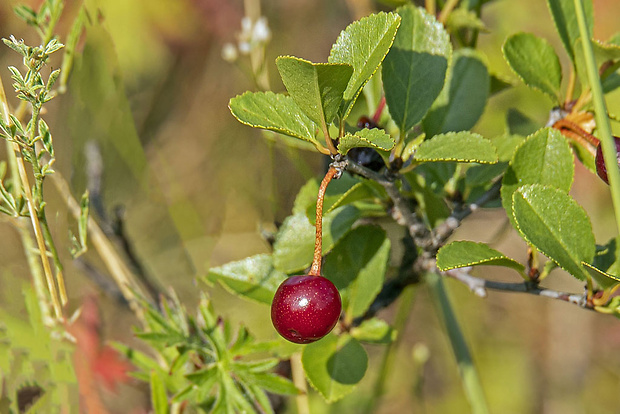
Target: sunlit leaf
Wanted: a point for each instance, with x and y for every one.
(543, 158)
(363, 45)
(551, 220)
(276, 112)
(467, 253)
(534, 60)
(294, 245)
(317, 88)
(254, 277)
(370, 138)
(457, 146)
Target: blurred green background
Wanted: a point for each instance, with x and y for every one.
(151, 89)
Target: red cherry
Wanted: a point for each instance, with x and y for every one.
(305, 308)
(601, 170)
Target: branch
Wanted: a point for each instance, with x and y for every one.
(431, 241)
(479, 287)
(401, 212)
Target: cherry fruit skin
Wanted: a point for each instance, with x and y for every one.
(601, 170)
(305, 308)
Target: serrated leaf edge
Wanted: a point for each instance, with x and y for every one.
(279, 130)
(530, 242)
(479, 262)
(465, 160)
(613, 277)
(555, 98)
(367, 141)
(359, 90)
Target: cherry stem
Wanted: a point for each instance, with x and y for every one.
(377, 115)
(573, 131)
(315, 269)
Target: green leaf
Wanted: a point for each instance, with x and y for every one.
(462, 18)
(605, 264)
(467, 253)
(317, 88)
(604, 53)
(306, 196)
(543, 158)
(334, 365)
(294, 245)
(345, 190)
(371, 138)
(159, 399)
(464, 96)
(253, 277)
(414, 71)
(534, 60)
(457, 146)
(374, 331)
(431, 206)
(520, 124)
(603, 279)
(552, 221)
(565, 19)
(363, 45)
(274, 383)
(275, 112)
(360, 190)
(357, 267)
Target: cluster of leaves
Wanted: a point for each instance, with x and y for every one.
(540, 173)
(426, 87)
(436, 90)
(202, 363)
(31, 88)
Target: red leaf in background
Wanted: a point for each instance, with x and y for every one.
(110, 368)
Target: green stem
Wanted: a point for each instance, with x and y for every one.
(469, 374)
(446, 10)
(390, 350)
(38, 279)
(602, 121)
(431, 7)
(299, 379)
(55, 13)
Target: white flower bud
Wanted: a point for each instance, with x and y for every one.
(261, 32)
(229, 52)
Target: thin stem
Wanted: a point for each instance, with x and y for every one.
(377, 116)
(24, 183)
(299, 379)
(469, 375)
(315, 269)
(446, 10)
(38, 279)
(479, 287)
(51, 24)
(47, 235)
(573, 131)
(600, 109)
(431, 7)
(570, 88)
(390, 350)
